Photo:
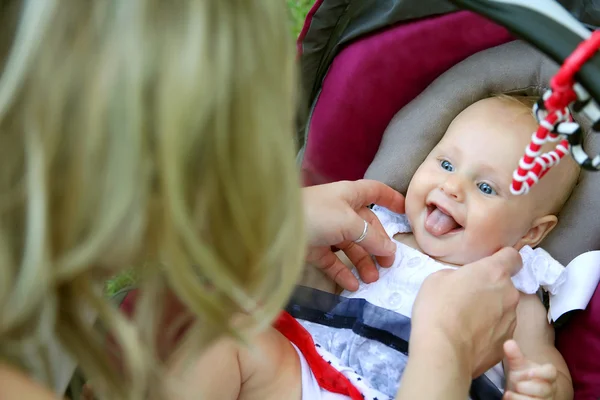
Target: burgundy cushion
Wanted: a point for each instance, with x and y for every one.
(374, 77)
(579, 343)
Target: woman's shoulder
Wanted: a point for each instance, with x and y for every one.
(274, 366)
(266, 368)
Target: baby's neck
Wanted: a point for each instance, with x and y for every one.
(408, 239)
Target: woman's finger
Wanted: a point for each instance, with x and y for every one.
(362, 261)
(335, 269)
(375, 224)
(370, 237)
(366, 192)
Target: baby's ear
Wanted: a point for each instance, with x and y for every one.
(538, 231)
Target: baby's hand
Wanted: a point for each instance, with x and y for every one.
(526, 379)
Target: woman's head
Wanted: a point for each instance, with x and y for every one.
(143, 132)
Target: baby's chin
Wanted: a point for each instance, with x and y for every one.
(452, 260)
(449, 258)
(446, 253)
(456, 256)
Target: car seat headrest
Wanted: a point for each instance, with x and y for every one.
(512, 68)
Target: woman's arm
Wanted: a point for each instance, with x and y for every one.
(438, 370)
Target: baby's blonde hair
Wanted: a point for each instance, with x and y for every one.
(143, 133)
(526, 101)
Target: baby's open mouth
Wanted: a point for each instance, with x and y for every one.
(439, 221)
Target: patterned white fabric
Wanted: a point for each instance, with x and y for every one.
(310, 387)
(372, 367)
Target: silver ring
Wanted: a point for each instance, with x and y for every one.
(364, 234)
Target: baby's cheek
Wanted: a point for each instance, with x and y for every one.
(412, 208)
(490, 233)
(479, 247)
(516, 224)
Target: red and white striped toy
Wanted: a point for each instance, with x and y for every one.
(556, 124)
(534, 165)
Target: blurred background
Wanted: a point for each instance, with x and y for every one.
(298, 10)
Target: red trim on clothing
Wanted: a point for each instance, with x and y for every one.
(327, 376)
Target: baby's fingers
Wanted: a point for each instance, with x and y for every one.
(537, 389)
(514, 356)
(546, 372)
(508, 395)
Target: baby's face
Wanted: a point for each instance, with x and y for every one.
(459, 203)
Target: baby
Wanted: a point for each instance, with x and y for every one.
(459, 209)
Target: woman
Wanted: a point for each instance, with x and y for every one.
(152, 134)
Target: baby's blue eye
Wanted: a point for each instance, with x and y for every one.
(486, 188)
(445, 164)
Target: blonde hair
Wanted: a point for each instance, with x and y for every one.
(526, 101)
(147, 133)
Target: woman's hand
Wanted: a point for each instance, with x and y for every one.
(336, 215)
(460, 321)
(474, 307)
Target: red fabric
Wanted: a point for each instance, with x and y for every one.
(328, 377)
(374, 77)
(579, 343)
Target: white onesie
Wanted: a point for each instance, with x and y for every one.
(396, 289)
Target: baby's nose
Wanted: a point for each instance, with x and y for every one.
(453, 187)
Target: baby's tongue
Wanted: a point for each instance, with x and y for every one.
(438, 223)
